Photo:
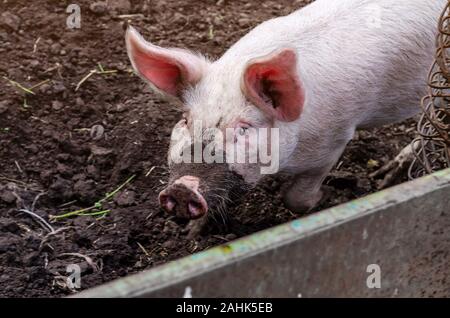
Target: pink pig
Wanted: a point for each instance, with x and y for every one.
(316, 75)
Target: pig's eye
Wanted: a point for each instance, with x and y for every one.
(242, 131)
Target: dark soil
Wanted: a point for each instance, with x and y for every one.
(48, 143)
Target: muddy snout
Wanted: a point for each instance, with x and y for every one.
(183, 198)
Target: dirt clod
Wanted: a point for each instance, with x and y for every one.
(10, 21)
(57, 105)
(99, 7)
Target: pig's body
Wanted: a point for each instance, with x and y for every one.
(355, 74)
(361, 63)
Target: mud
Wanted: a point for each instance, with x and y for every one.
(63, 149)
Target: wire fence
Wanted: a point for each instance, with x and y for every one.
(432, 147)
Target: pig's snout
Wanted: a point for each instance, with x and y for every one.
(183, 198)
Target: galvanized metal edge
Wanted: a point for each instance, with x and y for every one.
(209, 260)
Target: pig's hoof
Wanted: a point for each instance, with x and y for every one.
(302, 203)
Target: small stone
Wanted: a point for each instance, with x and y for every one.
(92, 170)
(59, 87)
(4, 106)
(10, 21)
(79, 176)
(231, 237)
(60, 189)
(73, 122)
(120, 66)
(46, 175)
(97, 132)
(168, 244)
(126, 198)
(3, 36)
(100, 151)
(57, 105)
(55, 48)
(243, 22)
(63, 169)
(9, 226)
(47, 133)
(179, 18)
(98, 7)
(34, 63)
(63, 157)
(20, 289)
(32, 148)
(121, 6)
(7, 196)
(170, 227)
(217, 20)
(120, 108)
(44, 88)
(79, 101)
(85, 189)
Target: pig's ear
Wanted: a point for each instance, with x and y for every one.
(272, 84)
(169, 70)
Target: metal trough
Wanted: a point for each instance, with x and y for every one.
(404, 231)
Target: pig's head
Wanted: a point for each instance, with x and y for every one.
(230, 109)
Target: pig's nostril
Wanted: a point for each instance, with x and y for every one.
(167, 202)
(170, 203)
(196, 209)
(183, 199)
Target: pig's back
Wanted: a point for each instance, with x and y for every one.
(363, 61)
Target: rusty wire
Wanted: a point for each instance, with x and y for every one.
(432, 147)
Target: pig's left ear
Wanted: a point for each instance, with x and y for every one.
(272, 84)
(168, 69)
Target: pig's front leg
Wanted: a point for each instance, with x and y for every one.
(305, 191)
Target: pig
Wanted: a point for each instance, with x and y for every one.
(316, 76)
